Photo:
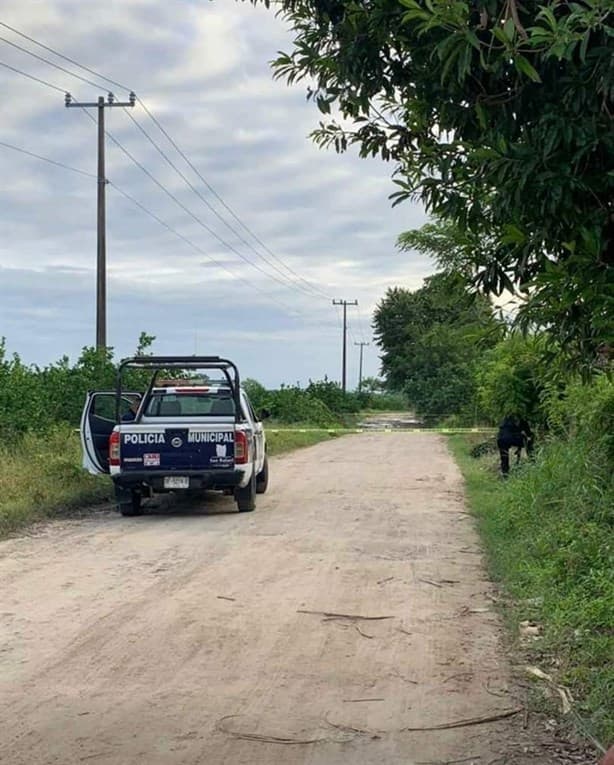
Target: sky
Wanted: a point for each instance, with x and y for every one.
(202, 69)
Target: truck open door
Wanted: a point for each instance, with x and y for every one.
(98, 419)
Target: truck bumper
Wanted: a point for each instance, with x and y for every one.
(199, 479)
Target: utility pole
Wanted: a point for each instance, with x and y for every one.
(345, 304)
(362, 345)
(101, 257)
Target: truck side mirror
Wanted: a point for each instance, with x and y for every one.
(264, 414)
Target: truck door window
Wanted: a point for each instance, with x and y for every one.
(104, 407)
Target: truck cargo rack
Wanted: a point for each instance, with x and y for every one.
(165, 363)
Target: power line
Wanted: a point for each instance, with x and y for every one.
(287, 282)
(360, 324)
(187, 181)
(291, 311)
(186, 209)
(314, 289)
(222, 202)
(46, 159)
(32, 77)
(46, 61)
(178, 234)
(198, 249)
(62, 56)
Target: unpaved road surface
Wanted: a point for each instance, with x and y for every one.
(199, 636)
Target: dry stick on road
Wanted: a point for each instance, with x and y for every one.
(470, 721)
(388, 579)
(449, 762)
(430, 581)
(331, 615)
(440, 583)
(364, 634)
(262, 738)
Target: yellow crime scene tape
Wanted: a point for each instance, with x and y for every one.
(488, 431)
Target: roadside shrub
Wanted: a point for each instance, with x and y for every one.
(511, 379)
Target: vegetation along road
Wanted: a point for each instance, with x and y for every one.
(349, 619)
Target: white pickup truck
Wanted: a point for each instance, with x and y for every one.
(181, 435)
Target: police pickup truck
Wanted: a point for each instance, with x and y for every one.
(181, 435)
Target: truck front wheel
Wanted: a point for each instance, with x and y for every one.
(246, 496)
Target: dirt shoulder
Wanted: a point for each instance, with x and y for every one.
(335, 624)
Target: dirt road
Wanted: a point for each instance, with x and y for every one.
(201, 636)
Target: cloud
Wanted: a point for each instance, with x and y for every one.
(203, 70)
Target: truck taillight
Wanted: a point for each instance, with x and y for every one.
(114, 448)
(241, 448)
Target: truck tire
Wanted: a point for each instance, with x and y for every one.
(262, 479)
(246, 496)
(129, 504)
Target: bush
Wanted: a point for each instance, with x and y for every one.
(512, 380)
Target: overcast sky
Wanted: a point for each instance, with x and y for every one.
(203, 70)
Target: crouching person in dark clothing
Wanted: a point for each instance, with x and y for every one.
(514, 432)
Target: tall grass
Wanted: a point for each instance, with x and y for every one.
(549, 534)
(40, 476)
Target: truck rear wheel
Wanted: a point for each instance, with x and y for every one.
(262, 479)
(246, 496)
(129, 503)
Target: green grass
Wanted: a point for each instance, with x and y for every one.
(549, 536)
(41, 475)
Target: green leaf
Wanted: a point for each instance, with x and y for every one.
(513, 235)
(524, 66)
(509, 29)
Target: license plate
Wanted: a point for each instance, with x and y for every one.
(176, 482)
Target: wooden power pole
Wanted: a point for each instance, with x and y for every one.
(101, 256)
(345, 304)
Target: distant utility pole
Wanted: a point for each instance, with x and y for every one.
(362, 345)
(345, 304)
(101, 260)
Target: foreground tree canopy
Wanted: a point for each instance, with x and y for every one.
(498, 115)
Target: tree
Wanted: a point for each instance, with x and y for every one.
(498, 116)
(431, 341)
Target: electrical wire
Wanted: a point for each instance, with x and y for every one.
(32, 77)
(173, 143)
(292, 311)
(132, 199)
(287, 282)
(198, 249)
(62, 56)
(50, 63)
(47, 159)
(360, 324)
(180, 204)
(222, 202)
(187, 181)
(155, 217)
